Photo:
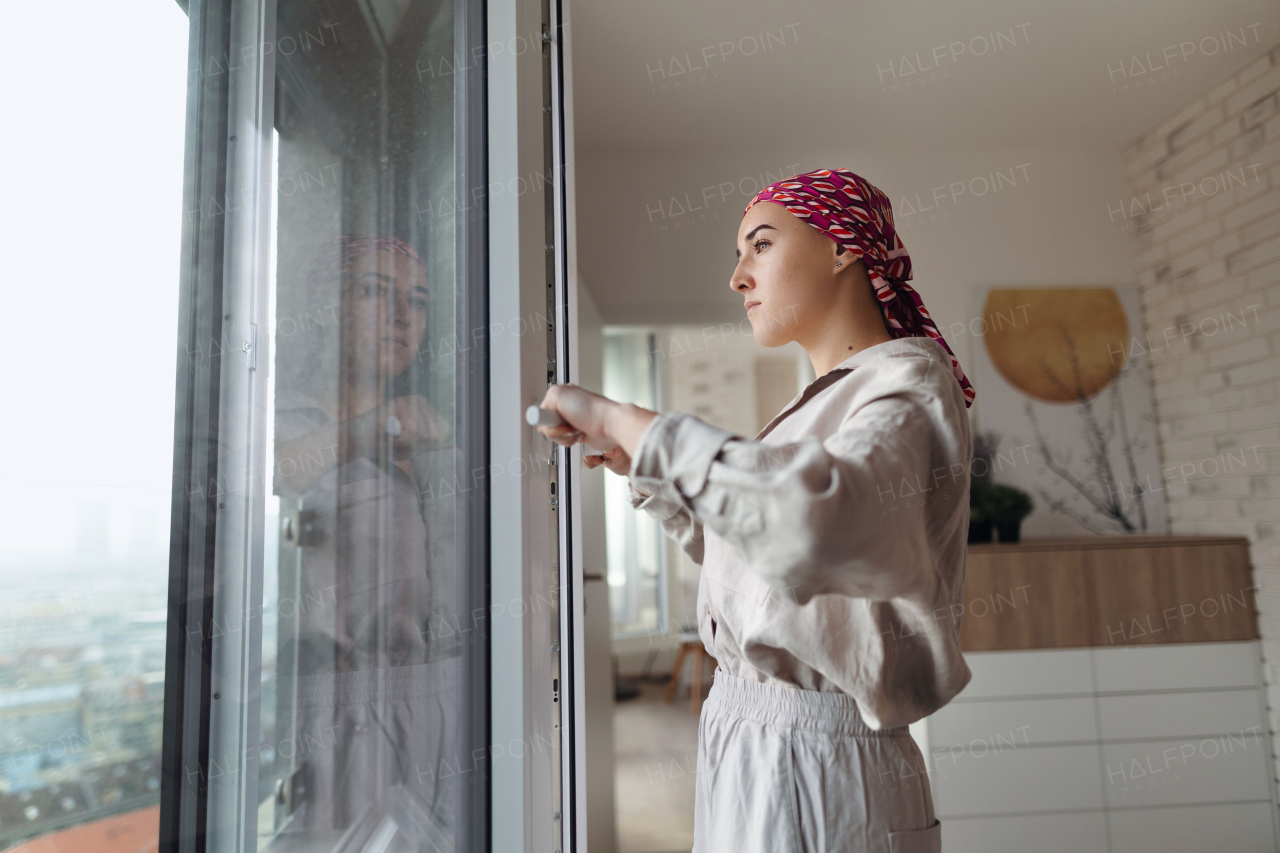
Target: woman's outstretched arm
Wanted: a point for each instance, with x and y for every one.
(850, 515)
(664, 506)
(676, 519)
(303, 459)
(601, 422)
(857, 514)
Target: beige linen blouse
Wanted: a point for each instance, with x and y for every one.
(833, 544)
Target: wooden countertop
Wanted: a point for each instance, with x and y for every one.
(1108, 591)
(1077, 543)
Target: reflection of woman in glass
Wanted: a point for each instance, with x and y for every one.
(383, 316)
(832, 545)
(375, 561)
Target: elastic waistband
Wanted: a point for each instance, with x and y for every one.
(791, 707)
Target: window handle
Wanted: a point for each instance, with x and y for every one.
(538, 416)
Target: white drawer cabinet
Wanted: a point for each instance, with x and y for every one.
(1051, 672)
(1176, 666)
(1186, 771)
(963, 727)
(1223, 828)
(1181, 715)
(1078, 832)
(1118, 750)
(990, 783)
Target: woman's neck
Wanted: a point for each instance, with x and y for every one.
(847, 333)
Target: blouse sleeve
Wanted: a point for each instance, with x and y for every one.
(850, 515)
(676, 520)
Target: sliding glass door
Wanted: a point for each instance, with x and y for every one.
(328, 645)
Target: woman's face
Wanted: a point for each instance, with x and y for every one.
(385, 312)
(786, 274)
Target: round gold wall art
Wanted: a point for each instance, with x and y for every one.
(1059, 345)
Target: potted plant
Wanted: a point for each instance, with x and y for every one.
(984, 451)
(1006, 507)
(979, 524)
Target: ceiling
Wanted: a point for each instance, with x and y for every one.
(733, 74)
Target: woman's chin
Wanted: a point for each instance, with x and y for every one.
(393, 361)
(767, 337)
(399, 365)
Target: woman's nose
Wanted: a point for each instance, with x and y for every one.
(400, 310)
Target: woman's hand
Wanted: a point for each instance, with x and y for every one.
(597, 421)
(408, 423)
(584, 415)
(421, 427)
(616, 460)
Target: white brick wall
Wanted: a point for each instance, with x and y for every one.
(1209, 272)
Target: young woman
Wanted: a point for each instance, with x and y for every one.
(832, 545)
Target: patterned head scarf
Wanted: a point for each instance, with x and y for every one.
(347, 248)
(858, 216)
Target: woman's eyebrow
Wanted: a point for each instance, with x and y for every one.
(738, 252)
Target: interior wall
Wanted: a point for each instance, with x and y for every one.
(1205, 201)
(601, 821)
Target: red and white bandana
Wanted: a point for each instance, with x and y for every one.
(351, 246)
(858, 216)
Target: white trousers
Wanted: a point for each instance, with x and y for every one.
(784, 770)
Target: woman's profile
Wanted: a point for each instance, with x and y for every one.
(832, 544)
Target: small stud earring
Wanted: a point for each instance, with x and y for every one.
(837, 263)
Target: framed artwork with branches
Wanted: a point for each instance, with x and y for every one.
(1065, 398)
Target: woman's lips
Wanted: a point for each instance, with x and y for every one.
(751, 305)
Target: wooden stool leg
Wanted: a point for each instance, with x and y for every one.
(696, 704)
(675, 673)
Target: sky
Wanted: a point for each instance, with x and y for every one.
(93, 99)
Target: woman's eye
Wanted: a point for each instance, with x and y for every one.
(757, 244)
(418, 304)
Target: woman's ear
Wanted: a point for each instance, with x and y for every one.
(844, 259)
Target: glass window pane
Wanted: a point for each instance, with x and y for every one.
(91, 225)
(367, 643)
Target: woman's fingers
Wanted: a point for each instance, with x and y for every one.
(609, 464)
(580, 409)
(557, 431)
(550, 398)
(562, 434)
